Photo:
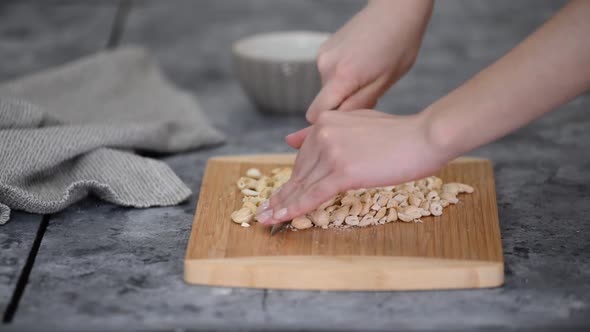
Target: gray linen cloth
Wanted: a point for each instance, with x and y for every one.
(70, 131)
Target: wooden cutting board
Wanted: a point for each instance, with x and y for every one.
(460, 249)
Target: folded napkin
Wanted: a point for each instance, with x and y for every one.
(69, 132)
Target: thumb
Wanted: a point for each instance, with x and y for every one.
(295, 140)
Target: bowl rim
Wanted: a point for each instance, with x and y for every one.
(237, 53)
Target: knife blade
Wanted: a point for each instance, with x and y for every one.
(277, 228)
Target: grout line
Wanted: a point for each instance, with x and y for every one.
(23, 278)
(119, 24)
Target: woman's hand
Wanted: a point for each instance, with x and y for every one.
(347, 150)
(351, 150)
(368, 54)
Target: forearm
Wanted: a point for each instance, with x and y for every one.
(549, 68)
(404, 12)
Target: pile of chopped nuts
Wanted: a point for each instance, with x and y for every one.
(407, 202)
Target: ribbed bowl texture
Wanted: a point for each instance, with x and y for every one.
(278, 70)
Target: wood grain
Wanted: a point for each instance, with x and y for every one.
(460, 249)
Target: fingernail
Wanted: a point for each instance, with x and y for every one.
(263, 207)
(264, 216)
(280, 213)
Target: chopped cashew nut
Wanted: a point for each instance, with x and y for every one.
(362, 207)
(331, 209)
(366, 221)
(391, 215)
(409, 214)
(320, 218)
(338, 216)
(366, 197)
(457, 188)
(382, 201)
(366, 208)
(400, 198)
(451, 198)
(465, 188)
(243, 215)
(425, 205)
(425, 212)
(327, 203)
(301, 223)
(352, 220)
(381, 213)
(356, 208)
(261, 186)
(415, 200)
(432, 196)
(451, 188)
(254, 173)
(250, 206)
(246, 183)
(392, 203)
(436, 209)
(253, 199)
(348, 199)
(265, 193)
(250, 192)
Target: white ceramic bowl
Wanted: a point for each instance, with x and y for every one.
(278, 70)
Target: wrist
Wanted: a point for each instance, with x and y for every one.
(441, 134)
(419, 5)
(401, 13)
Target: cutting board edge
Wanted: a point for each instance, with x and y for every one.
(334, 273)
(289, 158)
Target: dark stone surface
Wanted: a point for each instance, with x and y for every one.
(108, 267)
(37, 34)
(16, 239)
(34, 36)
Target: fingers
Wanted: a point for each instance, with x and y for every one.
(347, 97)
(306, 199)
(295, 140)
(267, 212)
(363, 99)
(331, 96)
(298, 180)
(366, 97)
(296, 185)
(307, 159)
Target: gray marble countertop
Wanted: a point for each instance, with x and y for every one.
(105, 267)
